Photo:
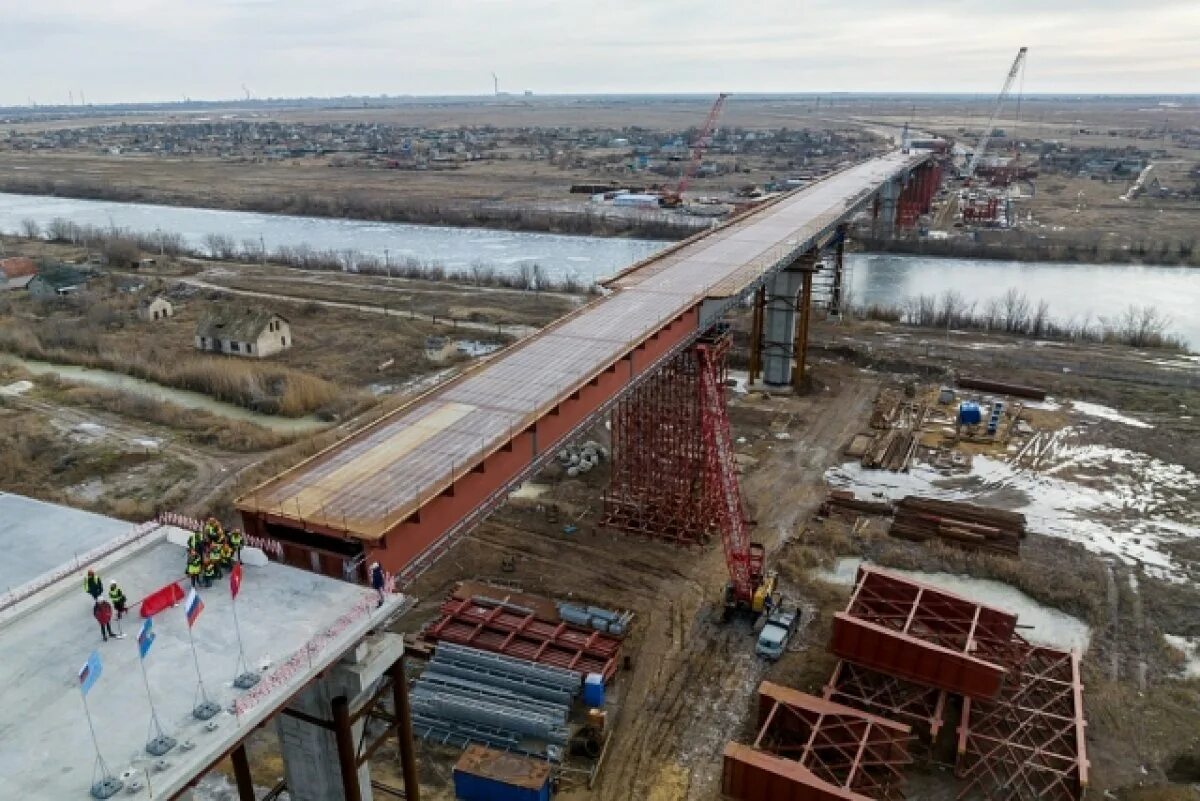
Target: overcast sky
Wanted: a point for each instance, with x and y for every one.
(147, 50)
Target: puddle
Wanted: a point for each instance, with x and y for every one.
(1190, 648)
(529, 491)
(1046, 626)
(1107, 413)
(1111, 500)
(158, 392)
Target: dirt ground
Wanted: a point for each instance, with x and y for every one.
(692, 681)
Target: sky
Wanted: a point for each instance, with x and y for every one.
(162, 50)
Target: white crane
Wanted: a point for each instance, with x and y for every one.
(1018, 62)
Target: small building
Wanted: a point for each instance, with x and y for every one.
(243, 331)
(155, 308)
(17, 272)
(58, 279)
(636, 200)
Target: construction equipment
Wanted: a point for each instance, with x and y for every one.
(749, 586)
(1018, 62)
(672, 200)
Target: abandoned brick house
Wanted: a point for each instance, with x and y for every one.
(243, 331)
(155, 308)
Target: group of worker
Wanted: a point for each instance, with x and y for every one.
(211, 552)
(103, 608)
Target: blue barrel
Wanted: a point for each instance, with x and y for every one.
(969, 413)
(593, 690)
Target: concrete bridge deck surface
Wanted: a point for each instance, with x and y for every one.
(46, 751)
(370, 483)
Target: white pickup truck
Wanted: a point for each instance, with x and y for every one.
(773, 638)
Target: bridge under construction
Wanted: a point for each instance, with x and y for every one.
(400, 490)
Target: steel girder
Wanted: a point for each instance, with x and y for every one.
(888, 696)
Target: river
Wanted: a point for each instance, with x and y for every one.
(1073, 291)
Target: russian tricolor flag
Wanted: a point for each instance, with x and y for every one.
(192, 607)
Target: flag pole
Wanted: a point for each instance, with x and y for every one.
(160, 743)
(206, 708)
(246, 678)
(108, 785)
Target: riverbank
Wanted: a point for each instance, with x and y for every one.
(1042, 245)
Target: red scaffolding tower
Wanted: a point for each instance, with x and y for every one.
(662, 482)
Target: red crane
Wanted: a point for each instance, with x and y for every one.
(699, 145)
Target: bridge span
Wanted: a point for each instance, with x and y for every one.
(401, 489)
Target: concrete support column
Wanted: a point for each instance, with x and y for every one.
(779, 321)
(888, 201)
(309, 738)
(839, 265)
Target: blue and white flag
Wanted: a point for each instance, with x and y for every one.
(89, 674)
(145, 637)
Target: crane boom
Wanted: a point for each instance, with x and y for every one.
(987, 132)
(703, 140)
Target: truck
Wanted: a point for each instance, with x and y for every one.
(776, 633)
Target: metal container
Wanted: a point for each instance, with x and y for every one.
(483, 774)
(969, 414)
(593, 690)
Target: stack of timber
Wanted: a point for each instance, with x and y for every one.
(893, 449)
(966, 525)
(845, 501)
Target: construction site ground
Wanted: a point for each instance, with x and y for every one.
(692, 679)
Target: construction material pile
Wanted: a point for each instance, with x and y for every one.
(468, 696)
(845, 501)
(966, 525)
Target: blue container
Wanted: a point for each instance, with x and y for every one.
(969, 414)
(593, 690)
(483, 774)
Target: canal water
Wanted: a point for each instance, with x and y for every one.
(1074, 291)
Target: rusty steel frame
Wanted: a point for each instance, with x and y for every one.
(887, 696)
(493, 626)
(809, 747)
(916, 198)
(1029, 743)
(924, 634)
(659, 484)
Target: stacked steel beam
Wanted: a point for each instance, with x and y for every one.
(470, 696)
(660, 484)
(965, 525)
(493, 625)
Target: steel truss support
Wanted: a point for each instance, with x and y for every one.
(926, 635)
(660, 484)
(808, 747)
(887, 696)
(916, 198)
(839, 266)
(1028, 744)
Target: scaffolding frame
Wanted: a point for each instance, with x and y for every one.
(894, 698)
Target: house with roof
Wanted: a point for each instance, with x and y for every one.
(155, 308)
(16, 272)
(247, 331)
(58, 279)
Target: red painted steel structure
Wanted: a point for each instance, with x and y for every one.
(1028, 743)
(916, 198)
(925, 635)
(810, 749)
(920, 706)
(402, 489)
(504, 630)
(659, 484)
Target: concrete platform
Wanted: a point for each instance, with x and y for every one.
(293, 622)
(36, 537)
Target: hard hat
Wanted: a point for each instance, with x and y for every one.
(112, 584)
(374, 565)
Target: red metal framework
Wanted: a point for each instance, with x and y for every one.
(516, 632)
(658, 485)
(923, 634)
(810, 748)
(916, 198)
(890, 697)
(1029, 743)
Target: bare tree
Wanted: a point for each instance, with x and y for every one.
(30, 229)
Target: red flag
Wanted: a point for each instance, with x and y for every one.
(235, 580)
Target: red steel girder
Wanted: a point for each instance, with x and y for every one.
(887, 696)
(926, 635)
(505, 630)
(1028, 744)
(810, 748)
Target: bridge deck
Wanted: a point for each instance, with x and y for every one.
(368, 484)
